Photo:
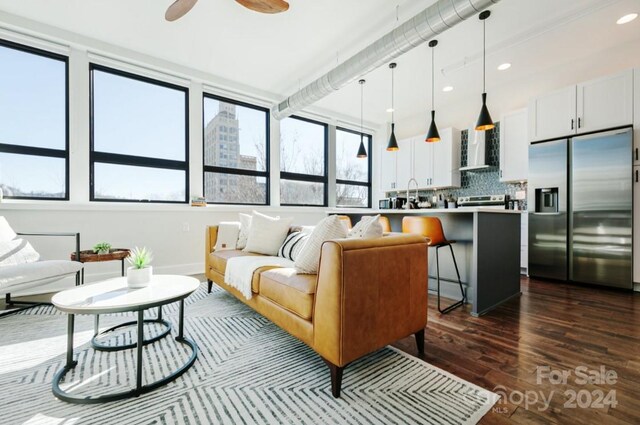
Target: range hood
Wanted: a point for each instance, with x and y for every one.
(476, 152)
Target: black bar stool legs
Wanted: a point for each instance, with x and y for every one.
(464, 297)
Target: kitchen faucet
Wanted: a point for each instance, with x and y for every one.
(409, 205)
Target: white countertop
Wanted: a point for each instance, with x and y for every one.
(422, 211)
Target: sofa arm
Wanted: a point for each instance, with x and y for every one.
(210, 239)
(370, 293)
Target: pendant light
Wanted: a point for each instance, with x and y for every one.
(484, 119)
(432, 134)
(362, 152)
(393, 143)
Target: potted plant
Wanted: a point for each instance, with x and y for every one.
(102, 248)
(140, 272)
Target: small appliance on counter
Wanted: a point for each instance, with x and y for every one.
(384, 204)
(398, 203)
(486, 201)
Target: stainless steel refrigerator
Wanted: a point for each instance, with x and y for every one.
(581, 209)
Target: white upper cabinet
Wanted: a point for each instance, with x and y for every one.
(514, 146)
(446, 159)
(388, 180)
(422, 162)
(405, 163)
(594, 105)
(636, 118)
(553, 114)
(433, 165)
(606, 102)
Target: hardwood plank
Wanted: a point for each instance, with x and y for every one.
(555, 325)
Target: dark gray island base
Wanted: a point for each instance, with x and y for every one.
(487, 249)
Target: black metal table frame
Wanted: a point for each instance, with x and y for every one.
(141, 342)
(84, 262)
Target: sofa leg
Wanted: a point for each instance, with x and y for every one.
(210, 283)
(420, 341)
(336, 378)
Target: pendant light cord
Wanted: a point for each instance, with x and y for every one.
(432, 79)
(361, 110)
(393, 92)
(484, 55)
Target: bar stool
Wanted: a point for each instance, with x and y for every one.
(431, 227)
(386, 225)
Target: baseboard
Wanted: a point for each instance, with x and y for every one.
(636, 287)
(89, 278)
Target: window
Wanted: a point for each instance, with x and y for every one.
(353, 174)
(236, 164)
(303, 162)
(34, 147)
(139, 138)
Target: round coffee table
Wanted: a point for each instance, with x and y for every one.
(114, 296)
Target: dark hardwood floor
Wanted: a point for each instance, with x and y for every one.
(552, 328)
(552, 325)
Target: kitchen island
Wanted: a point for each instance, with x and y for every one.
(487, 250)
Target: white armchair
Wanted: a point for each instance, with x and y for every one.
(18, 276)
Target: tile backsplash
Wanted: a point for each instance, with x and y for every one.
(484, 181)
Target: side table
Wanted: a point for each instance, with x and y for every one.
(88, 256)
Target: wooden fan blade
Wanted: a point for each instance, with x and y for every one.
(178, 9)
(265, 6)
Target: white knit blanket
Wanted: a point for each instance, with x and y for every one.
(240, 271)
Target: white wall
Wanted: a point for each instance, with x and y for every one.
(175, 234)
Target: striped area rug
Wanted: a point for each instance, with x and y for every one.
(248, 371)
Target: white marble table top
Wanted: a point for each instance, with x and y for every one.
(113, 295)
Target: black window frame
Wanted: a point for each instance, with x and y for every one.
(368, 183)
(309, 178)
(38, 151)
(134, 160)
(238, 171)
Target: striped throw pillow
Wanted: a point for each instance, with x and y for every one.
(293, 245)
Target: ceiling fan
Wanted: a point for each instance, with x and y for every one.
(179, 8)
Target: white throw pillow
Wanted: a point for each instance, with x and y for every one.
(245, 225)
(329, 228)
(367, 228)
(17, 251)
(228, 232)
(292, 245)
(267, 233)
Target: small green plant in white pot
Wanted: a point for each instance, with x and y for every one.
(140, 272)
(102, 248)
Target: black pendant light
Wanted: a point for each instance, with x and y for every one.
(362, 152)
(393, 143)
(432, 134)
(484, 119)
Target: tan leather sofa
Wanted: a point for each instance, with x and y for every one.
(367, 294)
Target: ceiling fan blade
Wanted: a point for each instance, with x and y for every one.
(178, 9)
(265, 6)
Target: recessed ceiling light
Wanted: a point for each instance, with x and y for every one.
(504, 66)
(447, 88)
(627, 18)
(390, 110)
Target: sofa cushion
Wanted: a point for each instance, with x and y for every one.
(291, 291)
(218, 259)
